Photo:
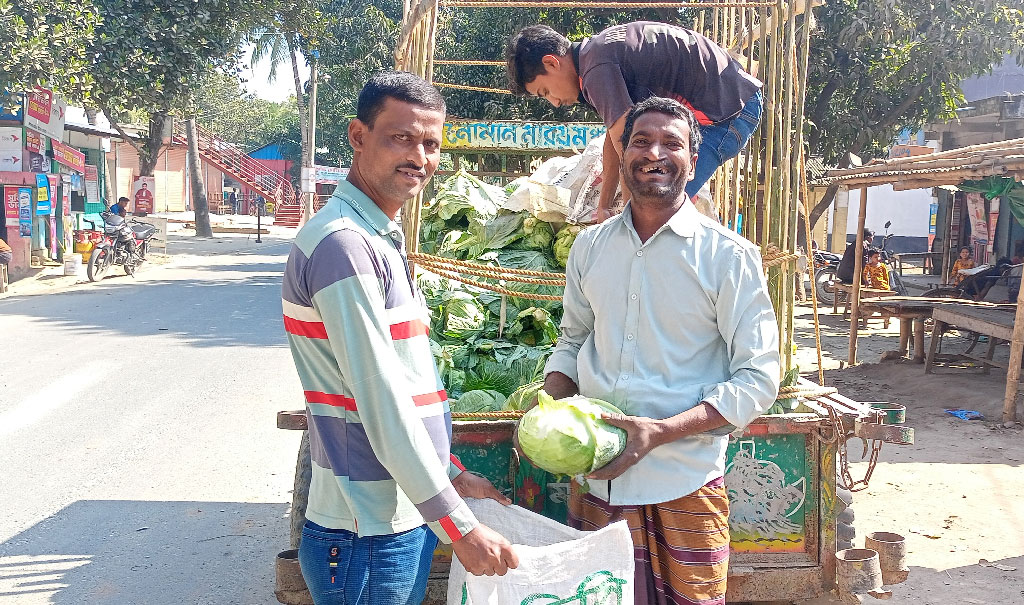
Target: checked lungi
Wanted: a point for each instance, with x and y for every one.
(681, 547)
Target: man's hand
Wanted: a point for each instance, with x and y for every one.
(642, 436)
(483, 552)
(469, 485)
(603, 214)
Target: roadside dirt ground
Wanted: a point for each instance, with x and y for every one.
(957, 494)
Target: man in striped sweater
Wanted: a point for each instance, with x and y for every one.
(384, 487)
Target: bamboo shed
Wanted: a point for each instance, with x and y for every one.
(952, 167)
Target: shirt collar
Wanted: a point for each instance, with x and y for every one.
(370, 212)
(683, 222)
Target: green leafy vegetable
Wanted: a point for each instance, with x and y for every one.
(523, 396)
(479, 401)
(568, 437)
(563, 242)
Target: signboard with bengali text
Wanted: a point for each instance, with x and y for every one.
(69, 156)
(33, 141)
(10, 202)
(510, 136)
(46, 113)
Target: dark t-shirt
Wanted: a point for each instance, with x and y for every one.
(628, 63)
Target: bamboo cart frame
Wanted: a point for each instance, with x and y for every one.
(950, 167)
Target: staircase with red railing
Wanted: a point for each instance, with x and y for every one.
(249, 171)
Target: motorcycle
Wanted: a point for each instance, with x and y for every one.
(114, 250)
(825, 266)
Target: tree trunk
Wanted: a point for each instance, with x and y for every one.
(199, 201)
(300, 103)
(823, 205)
(149, 153)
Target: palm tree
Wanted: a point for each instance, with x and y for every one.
(276, 46)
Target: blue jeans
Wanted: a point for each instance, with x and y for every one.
(341, 568)
(723, 141)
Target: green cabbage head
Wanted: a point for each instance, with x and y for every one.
(568, 437)
(563, 242)
(523, 396)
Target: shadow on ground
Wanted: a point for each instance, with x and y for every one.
(126, 551)
(233, 304)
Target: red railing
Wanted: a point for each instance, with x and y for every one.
(251, 172)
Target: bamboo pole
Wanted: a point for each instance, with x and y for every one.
(858, 269)
(1016, 355)
(810, 264)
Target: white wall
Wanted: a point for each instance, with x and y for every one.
(909, 211)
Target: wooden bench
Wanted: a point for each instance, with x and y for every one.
(994, 322)
(846, 290)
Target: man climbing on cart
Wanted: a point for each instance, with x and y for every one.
(628, 63)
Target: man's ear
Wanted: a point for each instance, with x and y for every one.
(356, 131)
(551, 63)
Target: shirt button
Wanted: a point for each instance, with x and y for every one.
(632, 297)
(629, 337)
(639, 252)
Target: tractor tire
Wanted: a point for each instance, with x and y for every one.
(300, 491)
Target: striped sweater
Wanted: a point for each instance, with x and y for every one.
(379, 421)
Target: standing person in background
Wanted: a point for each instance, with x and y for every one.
(384, 485)
(233, 200)
(681, 373)
(625, 64)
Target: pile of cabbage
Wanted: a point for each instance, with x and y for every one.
(568, 437)
(487, 348)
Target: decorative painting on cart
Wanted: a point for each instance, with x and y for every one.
(767, 485)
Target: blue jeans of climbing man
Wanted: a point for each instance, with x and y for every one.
(723, 141)
(342, 568)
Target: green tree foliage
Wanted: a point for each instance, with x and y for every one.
(44, 44)
(224, 108)
(880, 66)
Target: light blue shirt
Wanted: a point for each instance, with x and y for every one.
(658, 327)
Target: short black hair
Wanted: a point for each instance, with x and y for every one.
(873, 251)
(968, 248)
(401, 86)
(525, 53)
(122, 199)
(668, 107)
(868, 234)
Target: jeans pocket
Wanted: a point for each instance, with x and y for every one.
(325, 558)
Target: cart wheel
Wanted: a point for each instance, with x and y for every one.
(300, 491)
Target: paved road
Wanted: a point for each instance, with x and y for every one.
(139, 460)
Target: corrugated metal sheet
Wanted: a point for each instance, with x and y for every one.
(267, 152)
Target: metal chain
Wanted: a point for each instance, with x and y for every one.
(842, 453)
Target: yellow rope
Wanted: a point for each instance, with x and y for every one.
(805, 392)
(441, 260)
(498, 289)
(585, 4)
(505, 415)
(499, 91)
(495, 275)
(459, 62)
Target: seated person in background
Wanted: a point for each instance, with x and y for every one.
(876, 275)
(848, 262)
(964, 262)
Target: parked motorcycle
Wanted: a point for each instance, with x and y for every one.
(114, 249)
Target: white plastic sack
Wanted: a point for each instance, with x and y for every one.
(557, 564)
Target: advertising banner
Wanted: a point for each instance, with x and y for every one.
(43, 205)
(142, 194)
(11, 139)
(92, 185)
(11, 202)
(33, 141)
(977, 215)
(46, 113)
(25, 212)
(69, 156)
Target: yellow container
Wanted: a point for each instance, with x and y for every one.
(85, 248)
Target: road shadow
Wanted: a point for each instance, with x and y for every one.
(127, 551)
(224, 304)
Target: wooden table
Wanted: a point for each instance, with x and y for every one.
(995, 321)
(912, 311)
(847, 291)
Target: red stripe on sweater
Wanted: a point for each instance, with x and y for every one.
(430, 398)
(449, 528)
(338, 401)
(409, 329)
(458, 463)
(309, 329)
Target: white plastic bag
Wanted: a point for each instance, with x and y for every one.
(557, 564)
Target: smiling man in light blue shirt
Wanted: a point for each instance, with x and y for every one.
(667, 316)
